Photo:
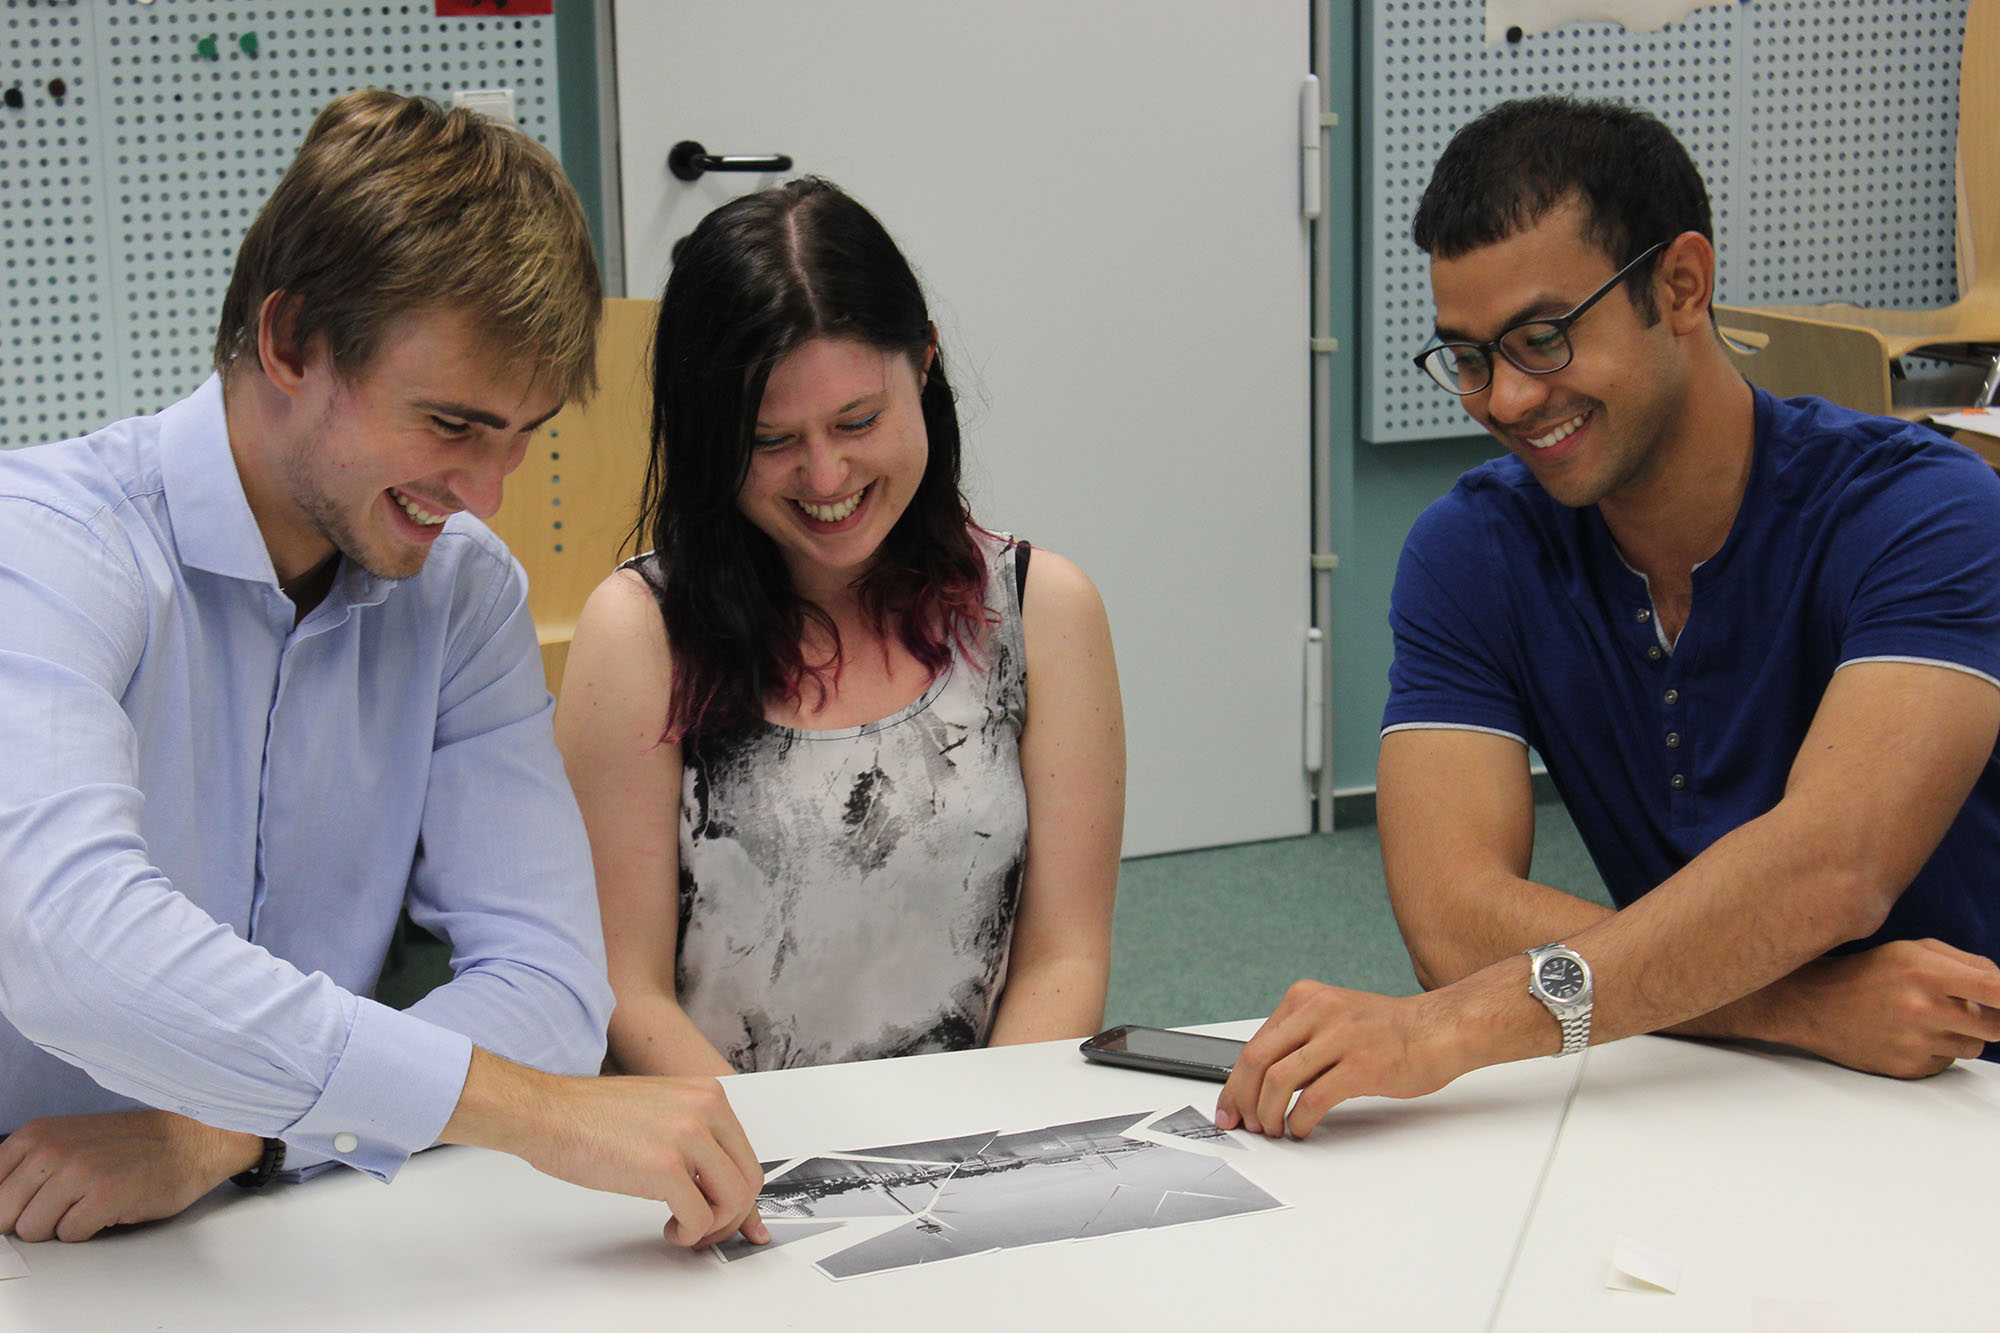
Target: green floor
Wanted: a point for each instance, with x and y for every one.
(1202, 937)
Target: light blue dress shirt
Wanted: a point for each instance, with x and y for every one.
(210, 818)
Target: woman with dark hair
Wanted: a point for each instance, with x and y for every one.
(853, 767)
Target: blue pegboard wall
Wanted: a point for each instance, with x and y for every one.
(1826, 130)
(148, 133)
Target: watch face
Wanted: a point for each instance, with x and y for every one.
(1561, 978)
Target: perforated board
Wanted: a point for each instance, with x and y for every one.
(129, 188)
(1826, 130)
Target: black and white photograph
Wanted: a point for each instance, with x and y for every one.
(976, 1193)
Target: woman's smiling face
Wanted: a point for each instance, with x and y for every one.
(839, 450)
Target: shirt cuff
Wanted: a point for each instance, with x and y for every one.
(396, 1084)
(1454, 726)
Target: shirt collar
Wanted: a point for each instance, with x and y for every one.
(357, 587)
(213, 526)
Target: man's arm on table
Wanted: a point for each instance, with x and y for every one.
(1890, 757)
(503, 879)
(128, 979)
(670, 1139)
(1457, 824)
(674, 1140)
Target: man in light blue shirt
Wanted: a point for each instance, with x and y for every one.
(265, 680)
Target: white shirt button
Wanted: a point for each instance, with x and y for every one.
(345, 1142)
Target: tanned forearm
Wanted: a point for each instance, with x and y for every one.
(1887, 763)
(1492, 920)
(1701, 943)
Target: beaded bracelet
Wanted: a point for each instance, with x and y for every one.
(269, 1164)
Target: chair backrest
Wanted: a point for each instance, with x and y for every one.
(1790, 355)
(1979, 150)
(568, 509)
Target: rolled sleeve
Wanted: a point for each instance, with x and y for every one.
(397, 1082)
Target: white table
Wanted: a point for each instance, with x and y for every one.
(1798, 1195)
(1770, 1177)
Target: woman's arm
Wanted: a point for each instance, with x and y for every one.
(1073, 764)
(628, 782)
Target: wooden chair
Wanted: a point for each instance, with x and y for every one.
(1792, 354)
(569, 507)
(1843, 352)
(1844, 363)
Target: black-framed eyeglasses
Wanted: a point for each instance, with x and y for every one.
(1533, 346)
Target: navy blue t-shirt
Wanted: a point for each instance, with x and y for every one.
(1860, 538)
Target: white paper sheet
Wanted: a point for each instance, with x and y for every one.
(1981, 420)
(11, 1262)
(1637, 1266)
(1538, 16)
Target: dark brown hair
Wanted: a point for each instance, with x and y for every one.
(1502, 172)
(758, 278)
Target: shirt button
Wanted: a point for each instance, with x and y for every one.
(1653, 653)
(1671, 697)
(1673, 740)
(1677, 782)
(345, 1142)
(1642, 615)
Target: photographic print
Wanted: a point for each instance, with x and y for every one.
(976, 1193)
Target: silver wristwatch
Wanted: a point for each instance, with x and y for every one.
(1560, 979)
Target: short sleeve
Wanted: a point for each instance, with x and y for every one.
(1920, 556)
(1450, 616)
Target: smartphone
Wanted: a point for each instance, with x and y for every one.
(1188, 1054)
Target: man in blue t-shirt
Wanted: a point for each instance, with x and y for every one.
(1757, 643)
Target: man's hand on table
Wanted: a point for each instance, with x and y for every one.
(671, 1139)
(1909, 1008)
(1327, 1045)
(69, 1177)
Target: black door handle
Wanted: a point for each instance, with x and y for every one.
(688, 160)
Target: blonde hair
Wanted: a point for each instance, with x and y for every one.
(395, 205)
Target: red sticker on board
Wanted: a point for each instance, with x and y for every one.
(494, 9)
